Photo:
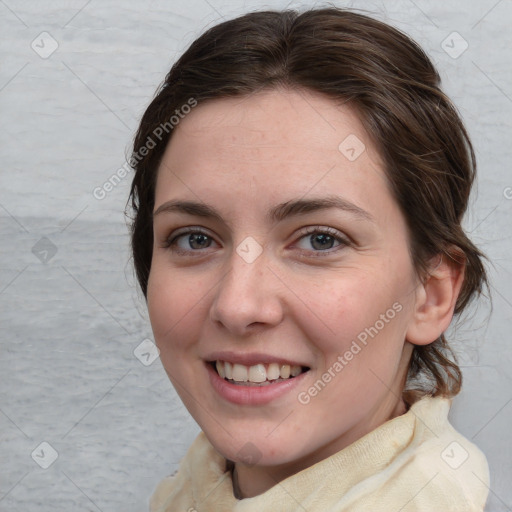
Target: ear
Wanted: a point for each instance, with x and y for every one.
(435, 299)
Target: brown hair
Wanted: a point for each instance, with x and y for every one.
(348, 57)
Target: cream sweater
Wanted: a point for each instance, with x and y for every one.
(415, 462)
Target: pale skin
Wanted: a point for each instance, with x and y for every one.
(242, 157)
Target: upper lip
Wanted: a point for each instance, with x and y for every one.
(250, 359)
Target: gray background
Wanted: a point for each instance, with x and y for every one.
(70, 314)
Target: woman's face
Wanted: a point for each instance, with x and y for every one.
(279, 249)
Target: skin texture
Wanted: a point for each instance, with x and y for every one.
(242, 157)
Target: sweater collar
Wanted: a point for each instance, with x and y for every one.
(211, 479)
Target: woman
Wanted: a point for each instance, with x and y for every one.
(299, 189)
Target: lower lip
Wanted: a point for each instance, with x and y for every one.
(251, 395)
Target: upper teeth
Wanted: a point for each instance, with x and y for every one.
(257, 372)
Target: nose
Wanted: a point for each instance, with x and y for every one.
(248, 297)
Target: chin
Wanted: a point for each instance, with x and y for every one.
(255, 450)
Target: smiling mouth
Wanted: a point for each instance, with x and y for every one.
(258, 374)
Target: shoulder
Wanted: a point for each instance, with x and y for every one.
(201, 462)
(446, 470)
(162, 492)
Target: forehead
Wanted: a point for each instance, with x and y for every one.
(272, 118)
(271, 144)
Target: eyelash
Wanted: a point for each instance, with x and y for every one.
(320, 230)
(170, 243)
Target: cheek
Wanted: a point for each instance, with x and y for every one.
(174, 303)
(351, 311)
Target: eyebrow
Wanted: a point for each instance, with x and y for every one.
(276, 214)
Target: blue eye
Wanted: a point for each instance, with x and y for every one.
(318, 239)
(189, 241)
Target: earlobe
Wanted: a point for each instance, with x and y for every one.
(436, 297)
